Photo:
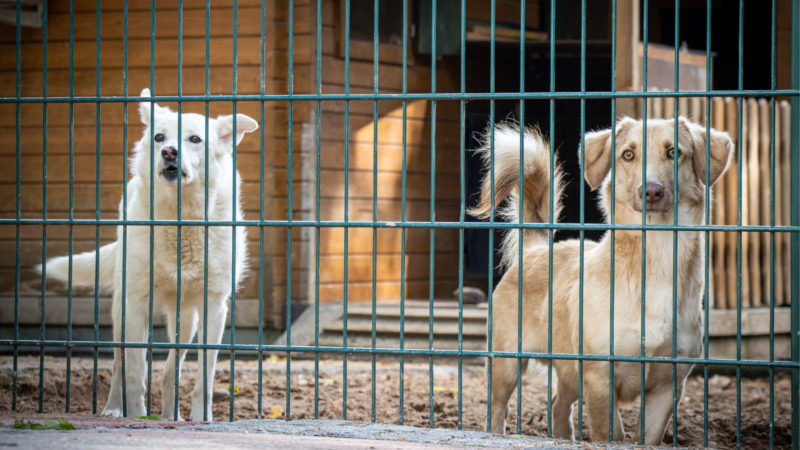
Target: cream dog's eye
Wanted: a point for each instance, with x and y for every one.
(671, 153)
(627, 155)
(159, 137)
(195, 139)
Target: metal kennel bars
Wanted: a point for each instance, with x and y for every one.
(793, 229)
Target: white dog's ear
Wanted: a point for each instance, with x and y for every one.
(225, 132)
(598, 152)
(720, 148)
(144, 107)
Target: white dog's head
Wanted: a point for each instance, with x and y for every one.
(191, 142)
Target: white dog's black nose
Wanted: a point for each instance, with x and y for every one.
(654, 192)
(169, 153)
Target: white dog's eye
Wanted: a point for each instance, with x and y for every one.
(159, 137)
(671, 153)
(195, 139)
(627, 155)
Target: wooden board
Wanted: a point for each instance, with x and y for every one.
(765, 191)
(719, 213)
(744, 248)
(786, 131)
(779, 219)
(754, 200)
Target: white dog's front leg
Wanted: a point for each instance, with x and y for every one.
(135, 365)
(216, 326)
(169, 402)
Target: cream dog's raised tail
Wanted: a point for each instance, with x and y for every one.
(536, 171)
(83, 268)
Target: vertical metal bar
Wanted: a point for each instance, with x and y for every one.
(316, 283)
(795, 239)
(71, 188)
(290, 202)
(461, 216)
(432, 243)
(152, 208)
(773, 102)
(318, 175)
(612, 235)
(346, 203)
(375, 48)
(490, 268)
(125, 206)
(739, 244)
(644, 221)
(579, 435)
(707, 305)
(675, 398)
(520, 232)
(97, 216)
(19, 210)
(403, 215)
(180, 228)
(205, 229)
(234, 210)
(551, 232)
(261, 51)
(44, 227)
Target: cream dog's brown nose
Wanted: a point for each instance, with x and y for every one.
(654, 191)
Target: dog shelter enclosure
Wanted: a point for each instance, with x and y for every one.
(354, 190)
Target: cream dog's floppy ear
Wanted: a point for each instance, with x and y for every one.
(598, 153)
(721, 149)
(244, 124)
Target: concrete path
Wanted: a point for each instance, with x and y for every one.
(274, 434)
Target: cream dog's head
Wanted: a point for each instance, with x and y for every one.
(192, 137)
(658, 181)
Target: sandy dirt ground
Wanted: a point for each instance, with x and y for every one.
(755, 394)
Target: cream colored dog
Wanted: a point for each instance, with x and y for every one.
(659, 192)
(222, 178)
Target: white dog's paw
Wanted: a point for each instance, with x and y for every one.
(113, 412)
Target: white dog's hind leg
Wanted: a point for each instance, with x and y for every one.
(169, 405)
(135, 365)
(135, 362)
(114, 403)
(216, 326)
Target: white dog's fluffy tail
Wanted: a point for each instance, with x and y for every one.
(83, 268)
(536, 172)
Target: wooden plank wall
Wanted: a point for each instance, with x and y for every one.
(360, 136)
(756, 148)
(276, 139)
(112, 149)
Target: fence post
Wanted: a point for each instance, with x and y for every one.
(795, 222)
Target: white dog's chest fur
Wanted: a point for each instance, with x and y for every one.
(193, 249)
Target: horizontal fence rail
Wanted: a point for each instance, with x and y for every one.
(305, 70)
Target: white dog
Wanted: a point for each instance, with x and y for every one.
(221, 183)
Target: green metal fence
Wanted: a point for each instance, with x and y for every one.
(463, 96)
